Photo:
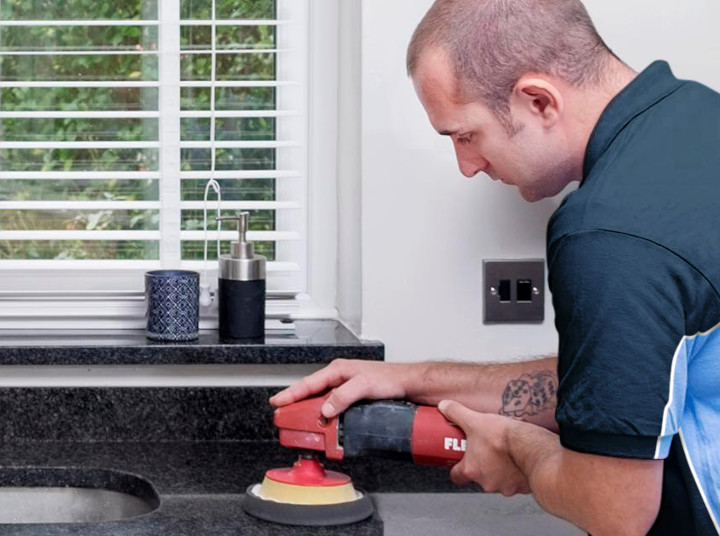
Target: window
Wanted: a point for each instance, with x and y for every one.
(106, 144)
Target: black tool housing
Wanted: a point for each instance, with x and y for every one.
(381, 429)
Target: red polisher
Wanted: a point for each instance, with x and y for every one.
(307, 494)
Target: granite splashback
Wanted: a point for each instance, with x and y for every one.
(236, 419)
(136, 414)
(199, 447)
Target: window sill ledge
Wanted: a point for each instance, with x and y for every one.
(311, 342)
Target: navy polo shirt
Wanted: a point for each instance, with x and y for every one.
(634, 269)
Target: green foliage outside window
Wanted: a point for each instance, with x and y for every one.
(255, 66)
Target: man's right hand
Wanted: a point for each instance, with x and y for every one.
(353, 380)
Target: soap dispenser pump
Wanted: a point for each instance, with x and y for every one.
(241, 287)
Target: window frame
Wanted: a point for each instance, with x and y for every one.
(45, 305)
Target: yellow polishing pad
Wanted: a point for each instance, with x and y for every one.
(307, 495)
(272, 490)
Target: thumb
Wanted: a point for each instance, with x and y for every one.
(456, 412)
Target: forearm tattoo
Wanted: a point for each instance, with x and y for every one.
(529, 394)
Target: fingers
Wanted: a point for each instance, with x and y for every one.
(353, 380)
(356, 388)
(501, 480)
(514, 487)
(331, 376)
(457, 413)
(486, 461)
(458, 476)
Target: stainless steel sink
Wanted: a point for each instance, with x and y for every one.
(72, 495)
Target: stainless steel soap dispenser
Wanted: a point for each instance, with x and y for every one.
(241, 287)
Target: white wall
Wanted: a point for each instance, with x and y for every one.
(426, 228)
(349, 266)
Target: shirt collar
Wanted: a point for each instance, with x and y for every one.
(649, 87)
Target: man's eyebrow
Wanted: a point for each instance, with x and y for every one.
(447, 132)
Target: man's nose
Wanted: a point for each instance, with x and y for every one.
(471, 166)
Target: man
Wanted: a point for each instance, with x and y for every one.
(530, 95)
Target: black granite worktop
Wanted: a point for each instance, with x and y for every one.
(200, 486)
(305, 341)
(199, 448)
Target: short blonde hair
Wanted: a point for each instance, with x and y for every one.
(493, 43)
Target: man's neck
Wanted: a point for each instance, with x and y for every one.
(590, 104)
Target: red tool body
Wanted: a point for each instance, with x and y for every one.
(384, 428)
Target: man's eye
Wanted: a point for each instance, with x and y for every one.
(463, 140)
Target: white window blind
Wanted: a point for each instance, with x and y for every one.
(113, 117)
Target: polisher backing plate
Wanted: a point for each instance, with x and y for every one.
(306, 494)
(307, 515)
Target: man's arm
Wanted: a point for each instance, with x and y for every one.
(600, 494)
(525, 390)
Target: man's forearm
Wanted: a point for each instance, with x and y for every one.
(525, 390)
(604, 496)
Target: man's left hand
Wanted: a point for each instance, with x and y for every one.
(487, 459)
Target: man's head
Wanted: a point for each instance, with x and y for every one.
(517, 84)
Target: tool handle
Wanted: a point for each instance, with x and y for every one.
(436, 441)
(401, 430)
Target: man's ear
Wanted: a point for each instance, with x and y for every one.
(538, 97)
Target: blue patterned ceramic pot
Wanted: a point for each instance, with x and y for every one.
(173, 305)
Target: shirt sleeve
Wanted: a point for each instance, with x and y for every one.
(620, 304)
